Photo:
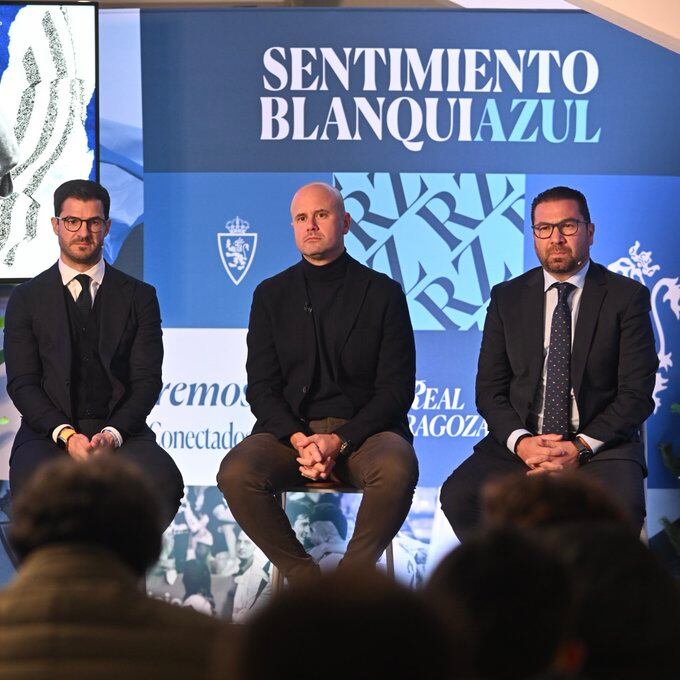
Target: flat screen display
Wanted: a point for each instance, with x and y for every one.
(48, 123)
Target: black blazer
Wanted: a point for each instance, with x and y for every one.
(613, 363)
(373, 356)
(38, 352)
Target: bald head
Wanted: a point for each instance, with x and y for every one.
(318, 186)
(319, 222)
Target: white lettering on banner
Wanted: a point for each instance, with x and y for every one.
(441, 424)
(418, 118)
(308, 69)
(412, 122)
(275, 68)
(434, 398)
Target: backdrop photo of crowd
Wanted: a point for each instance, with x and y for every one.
(208, 563)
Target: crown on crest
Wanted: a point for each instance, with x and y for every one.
(237, 226)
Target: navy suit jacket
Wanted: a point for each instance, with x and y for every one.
(373, 355)
(613, 361)
(38, 352)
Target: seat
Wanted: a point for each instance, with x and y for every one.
(325, 487)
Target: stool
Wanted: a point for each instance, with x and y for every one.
(325, 487)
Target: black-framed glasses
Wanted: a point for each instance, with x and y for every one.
(565, 227)
(71, 223)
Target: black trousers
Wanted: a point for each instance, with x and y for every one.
(384, 466)
(617, 469)
(142, 450)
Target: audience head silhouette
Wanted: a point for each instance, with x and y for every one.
(391, 633)
(103, 502)
(546, 500)
(626, 604)
(507, 603)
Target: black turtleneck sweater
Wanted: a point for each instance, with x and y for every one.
(324, 287)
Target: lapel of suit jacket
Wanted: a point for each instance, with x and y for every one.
(351, 299)
(594, 291)
(115, 298)
(533, 322)
(53, 305)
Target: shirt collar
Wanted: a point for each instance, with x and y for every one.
(577, 279)
(96, 272)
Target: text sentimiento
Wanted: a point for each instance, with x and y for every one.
(406, 94)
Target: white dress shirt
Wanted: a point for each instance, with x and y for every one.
(574, 301)
(68, 278)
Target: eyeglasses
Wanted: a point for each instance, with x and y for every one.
(566, 228)
(71, 223)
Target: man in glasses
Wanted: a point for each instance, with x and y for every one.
(83, 349)
(566, 369)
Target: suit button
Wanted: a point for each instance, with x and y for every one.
(85, 357)
(88, 412)
(305, 389)
(68, 383)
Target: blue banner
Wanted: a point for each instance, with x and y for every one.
(544, 92)
(438, 128)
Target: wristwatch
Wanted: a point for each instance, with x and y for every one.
(585, 453)
(346, 447)
(64, 435)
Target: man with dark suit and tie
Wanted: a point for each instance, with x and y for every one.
(566, 370)
(83, 351)
(331, 373)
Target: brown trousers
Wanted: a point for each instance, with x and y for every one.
(253, 472)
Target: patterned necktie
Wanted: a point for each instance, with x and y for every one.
(557, 381)
(84, 300)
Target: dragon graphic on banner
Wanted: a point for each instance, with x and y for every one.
(638, 265)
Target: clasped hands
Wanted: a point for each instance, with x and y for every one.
(316, 454)
(79, 447)
(546, 453)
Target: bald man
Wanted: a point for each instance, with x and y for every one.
(331, 372)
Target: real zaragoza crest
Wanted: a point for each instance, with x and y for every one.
(237, 249)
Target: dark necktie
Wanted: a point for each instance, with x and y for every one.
(557, 381)
(84, 300)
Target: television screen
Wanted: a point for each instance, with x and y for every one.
(48, 123)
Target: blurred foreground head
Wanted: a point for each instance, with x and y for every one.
(507, 601)
(345, 625)
(102, 502)
(547, 500)
(626, 604)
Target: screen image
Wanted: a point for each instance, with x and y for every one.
(48, 123)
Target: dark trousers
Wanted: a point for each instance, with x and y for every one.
(253, 472)
(616, 469)
(141, 450)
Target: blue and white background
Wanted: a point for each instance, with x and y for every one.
(448, 220)
(439, 128)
